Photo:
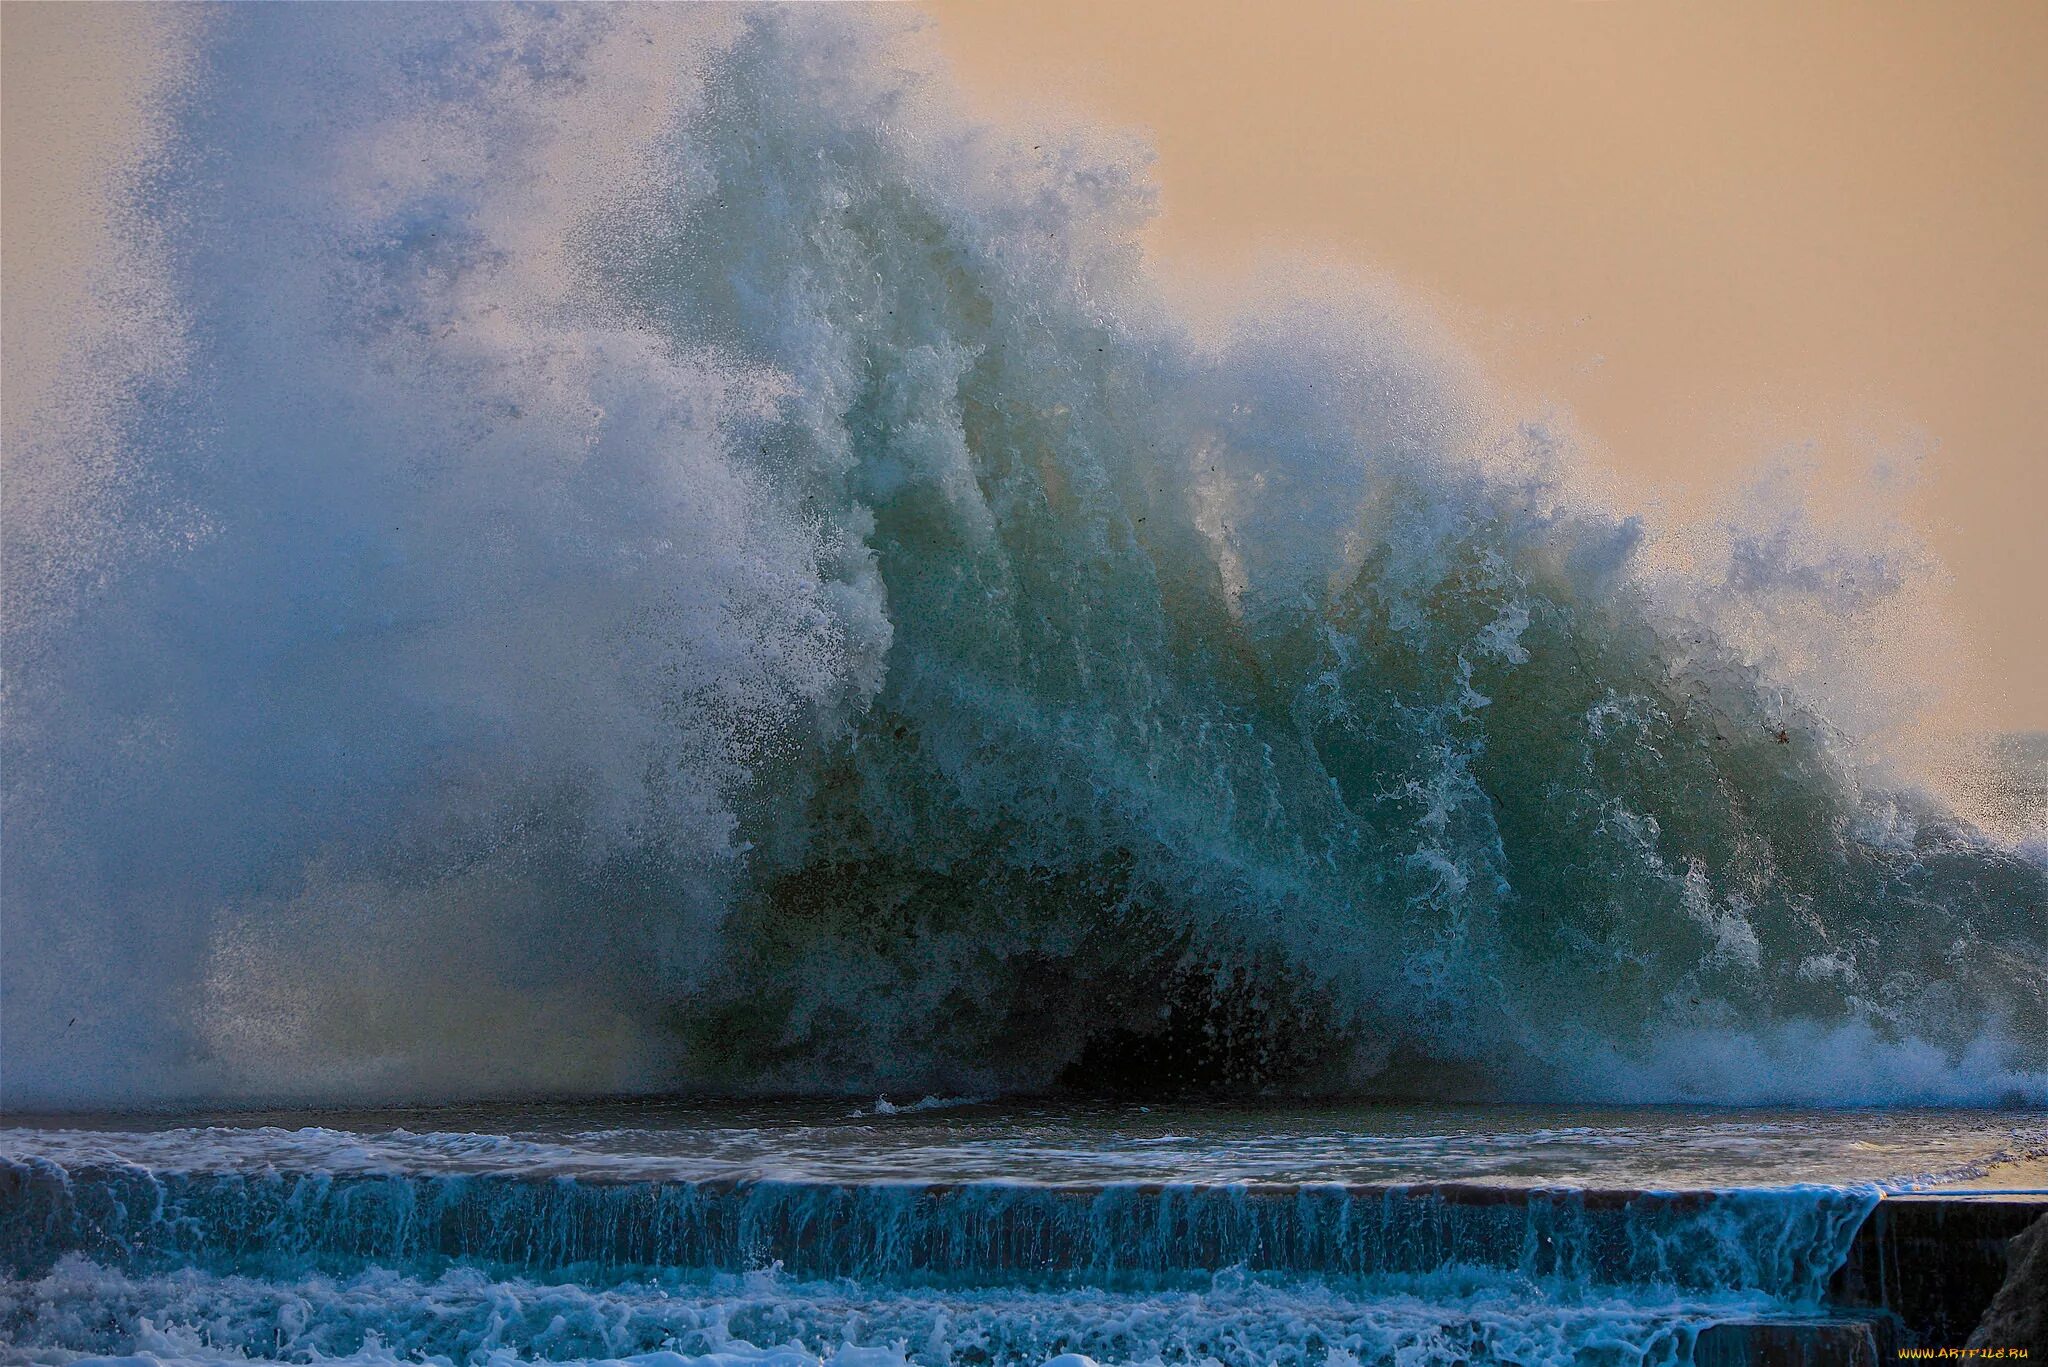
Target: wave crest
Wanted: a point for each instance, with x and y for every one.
(672, 558)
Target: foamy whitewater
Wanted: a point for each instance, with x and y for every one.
(688, 1233)
(629, 550)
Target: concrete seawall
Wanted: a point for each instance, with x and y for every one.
(1921, 1273)
(1935, 1262)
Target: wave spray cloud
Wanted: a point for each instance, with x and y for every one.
(641, 549)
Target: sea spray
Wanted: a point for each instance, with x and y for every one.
(667, 557)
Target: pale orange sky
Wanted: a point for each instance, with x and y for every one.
(1709, 231)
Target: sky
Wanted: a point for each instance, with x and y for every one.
(1717, 237)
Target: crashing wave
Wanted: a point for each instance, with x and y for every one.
(661, 555)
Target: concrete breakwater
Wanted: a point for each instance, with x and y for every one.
(1934, 1264)
(1919, 1285)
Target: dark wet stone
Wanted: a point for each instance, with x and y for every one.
(1934, 1262)
(2018, 1315)
(1810, 1343)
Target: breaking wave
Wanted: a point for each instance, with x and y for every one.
(657, 554)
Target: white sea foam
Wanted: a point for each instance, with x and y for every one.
(465, 1317)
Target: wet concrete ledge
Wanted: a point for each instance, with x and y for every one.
(1920, 1274)
(1854, 1341)
(1933, 1262)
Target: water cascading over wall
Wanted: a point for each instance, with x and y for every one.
(1783, 1243)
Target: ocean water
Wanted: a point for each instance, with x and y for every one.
(953, 1140)
(948, 1231)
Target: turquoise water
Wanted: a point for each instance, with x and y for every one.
(939, 1232)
